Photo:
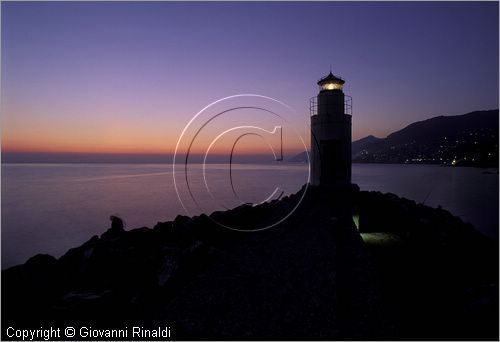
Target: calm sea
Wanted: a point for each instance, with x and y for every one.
(49, 208)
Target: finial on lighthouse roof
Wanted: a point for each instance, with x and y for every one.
(331, 78)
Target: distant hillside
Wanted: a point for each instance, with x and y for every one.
(360, 144)
(461, 140)
(299, 158)
(469, 139)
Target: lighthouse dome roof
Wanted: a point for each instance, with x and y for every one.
(331, 78)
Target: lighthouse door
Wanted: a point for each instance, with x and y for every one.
(330, 155)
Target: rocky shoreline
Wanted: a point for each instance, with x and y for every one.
(314, 276)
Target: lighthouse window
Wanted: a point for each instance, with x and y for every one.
(331, 86)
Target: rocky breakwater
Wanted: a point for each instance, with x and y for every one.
(438, 275)
(311, 277)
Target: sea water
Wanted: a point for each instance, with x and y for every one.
(49, 208)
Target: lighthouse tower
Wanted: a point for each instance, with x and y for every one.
(331, 114)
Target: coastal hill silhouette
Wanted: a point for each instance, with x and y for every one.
(471, 139)
(409, 272)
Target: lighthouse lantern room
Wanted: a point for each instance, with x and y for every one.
(331, 112)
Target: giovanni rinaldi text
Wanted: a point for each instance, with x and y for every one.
(50, 333)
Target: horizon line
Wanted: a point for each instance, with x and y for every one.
(133, 158)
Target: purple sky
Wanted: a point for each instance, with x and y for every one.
(115, 77)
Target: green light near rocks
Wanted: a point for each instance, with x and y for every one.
(381, 239)
(355, 218)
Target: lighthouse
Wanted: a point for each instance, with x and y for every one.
(331, 112)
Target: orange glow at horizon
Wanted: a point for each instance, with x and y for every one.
(124, 145)
(121, 137)
(105, 133)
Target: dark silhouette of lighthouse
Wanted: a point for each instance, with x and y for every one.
(331, 133)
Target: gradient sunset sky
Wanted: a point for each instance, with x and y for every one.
(122, 77)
